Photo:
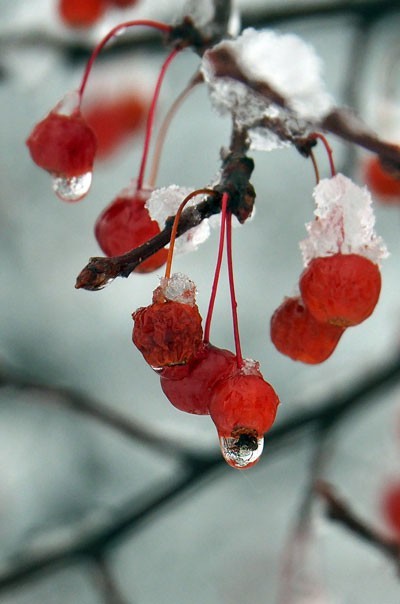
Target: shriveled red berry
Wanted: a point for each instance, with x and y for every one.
(296, 333)
(382, 184)
(63, 144)
(390, 504)
(342, 289)
(243, 407)
(192, 392)
(243, 402)
(167, 333)
(126, 224)
(81, 13)
(113, 120)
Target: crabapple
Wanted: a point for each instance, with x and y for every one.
(342, 289)
(192, 392)
(63, 144)
(296, 333)
(390, 503)
(243, 407)
(126, 224)
(383, 184)
(113, 120)
(81, 13)
(167, 332)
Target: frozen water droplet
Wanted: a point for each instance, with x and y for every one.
(72, 188)
(242, 451)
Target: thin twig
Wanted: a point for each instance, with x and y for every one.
(106, 582)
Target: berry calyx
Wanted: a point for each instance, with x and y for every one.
(342, 289)
(192, 392)
(126, 224)
(63, 144)
(297, 334)
(381, 183)
(169, 331)
(243, 407)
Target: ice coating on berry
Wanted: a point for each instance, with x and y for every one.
(164, 202)
(69, 104)
(243, 403)
(283, 62)
(241, 452)
(167, 333)
(191, 392)
(63, 144)
(177, 288)
(298, 335)
(344, 222)
(342, 289)
(72, 188)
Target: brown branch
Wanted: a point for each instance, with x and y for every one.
(339, 511)
(106, 583)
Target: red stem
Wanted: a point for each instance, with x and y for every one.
(113, 32)
(328, 150)
(239, 357)
(176, 224)
(151, 115)
(207, 326)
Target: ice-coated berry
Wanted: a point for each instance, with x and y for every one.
(126, 224)
(296, 334)
(167, 333)
(342, 289)
(243, 403)
(191, 392)
(63, 145)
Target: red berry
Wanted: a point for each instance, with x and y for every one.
(383, 184)
(192, 392)
(243, 402)
(63, 144)
(167, 333)
(390, 503)
(126, 224)
(296, 333)
(113, 120)
(81, 13)
(342, 289)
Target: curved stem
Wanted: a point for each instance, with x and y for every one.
(236, 335)
(176, 224)
(315, 165)
(151, 115)
(197, 79)
(207, 326)
(328, 149)
(113, 32)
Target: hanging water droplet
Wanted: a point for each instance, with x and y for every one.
(242, 451)
(72, 188)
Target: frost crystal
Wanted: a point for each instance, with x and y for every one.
(344, 222)
(68, 104)
(282, 62)
(178, 288)
(165, 202)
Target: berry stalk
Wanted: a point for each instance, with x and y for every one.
(236, 334)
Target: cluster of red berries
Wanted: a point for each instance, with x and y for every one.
(336, 292)
(203, 379)
(85, 13)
